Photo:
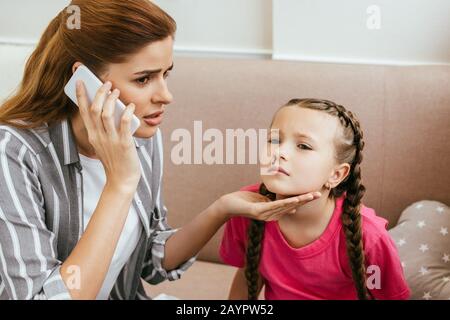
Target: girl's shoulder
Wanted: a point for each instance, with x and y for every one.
(374, 227)
(372, 220)
(251, 188)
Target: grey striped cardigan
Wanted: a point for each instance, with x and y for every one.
(41, 214)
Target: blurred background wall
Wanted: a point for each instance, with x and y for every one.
(400, 32)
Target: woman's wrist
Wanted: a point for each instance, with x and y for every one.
(125, 189)
(216, 209)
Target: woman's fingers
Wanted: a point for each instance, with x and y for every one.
(125, 121)
(118, 154)
(266, 208)
(306, 197)
(83, 104)
(277, 214)
(277, 204)
(108, 113)
(286, 209)
(275, 209)
(97, 105)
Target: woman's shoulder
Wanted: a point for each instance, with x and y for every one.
(14, 138)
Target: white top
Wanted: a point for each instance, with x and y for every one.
(94, 180)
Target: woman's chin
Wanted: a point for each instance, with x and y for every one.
(145, 131)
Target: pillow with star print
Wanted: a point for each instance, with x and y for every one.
(423, 242)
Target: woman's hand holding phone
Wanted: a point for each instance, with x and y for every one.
(114, 147)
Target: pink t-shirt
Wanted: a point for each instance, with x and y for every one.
(319, 270)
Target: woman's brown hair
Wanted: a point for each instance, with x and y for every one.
(110, 31)
(348, 150)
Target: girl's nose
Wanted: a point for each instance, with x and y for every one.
(279, 153)
(283, 151)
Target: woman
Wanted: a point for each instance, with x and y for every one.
(81, 209)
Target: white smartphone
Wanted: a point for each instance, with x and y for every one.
(92, 84)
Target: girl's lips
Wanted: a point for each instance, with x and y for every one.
(278, 170)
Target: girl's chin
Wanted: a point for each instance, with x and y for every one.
(281, 188)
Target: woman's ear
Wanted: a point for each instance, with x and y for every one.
(339, 174)
(75, 66)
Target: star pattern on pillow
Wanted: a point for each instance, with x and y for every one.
(423, 242)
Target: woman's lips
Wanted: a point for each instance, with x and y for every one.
(154, 119)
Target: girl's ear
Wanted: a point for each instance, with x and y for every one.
(339, 174)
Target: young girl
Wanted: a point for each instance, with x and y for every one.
(331, 248)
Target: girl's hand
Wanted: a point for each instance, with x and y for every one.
(256, 206)
(115, 148)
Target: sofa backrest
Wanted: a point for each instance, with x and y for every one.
(404, 113)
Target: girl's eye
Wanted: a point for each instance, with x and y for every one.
(304, 146)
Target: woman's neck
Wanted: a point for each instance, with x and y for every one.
(81, 137)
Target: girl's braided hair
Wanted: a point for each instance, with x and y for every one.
(348, 150)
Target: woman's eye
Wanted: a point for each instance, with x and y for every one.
(304, 146)
(143, 81)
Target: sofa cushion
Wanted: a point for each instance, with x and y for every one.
(423, 241)
(202, 281)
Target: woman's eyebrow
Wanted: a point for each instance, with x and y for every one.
(148, 72)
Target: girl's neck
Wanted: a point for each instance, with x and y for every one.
(81, 137)
(312, 214)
